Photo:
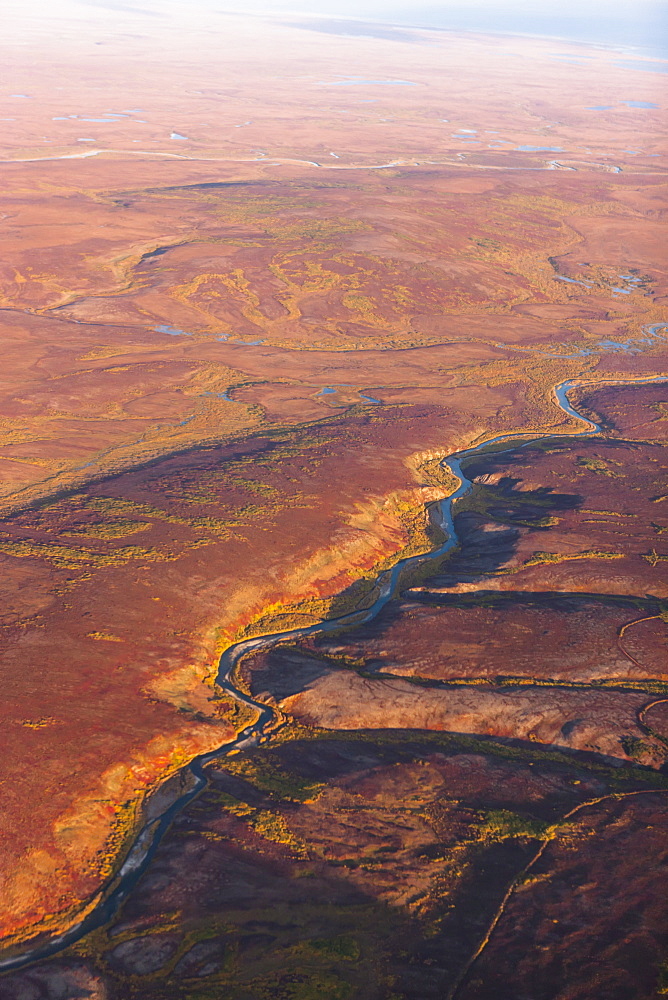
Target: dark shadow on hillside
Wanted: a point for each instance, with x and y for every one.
(564, 602)
(282, 671)
(224, 912)
(488, 532)
(288, 669)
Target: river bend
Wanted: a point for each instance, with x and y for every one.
(149, 837)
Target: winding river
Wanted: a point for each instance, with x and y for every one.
(194, 775)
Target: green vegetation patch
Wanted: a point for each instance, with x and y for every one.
(345, 948)
(265, 772)
(636, 748)
(598, 466)
(502, 824)
(547, 558)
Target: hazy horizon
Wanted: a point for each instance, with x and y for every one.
(643, 27)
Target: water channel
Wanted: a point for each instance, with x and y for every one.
(194, 774)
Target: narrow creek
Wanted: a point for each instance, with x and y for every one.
(194, 775)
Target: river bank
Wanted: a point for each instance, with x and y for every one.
(139, 856)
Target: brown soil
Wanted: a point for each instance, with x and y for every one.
(127, 592)
(546, 623)
(580, 936)
(173, 472)
(344, 866)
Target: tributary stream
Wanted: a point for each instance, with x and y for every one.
(149, 837)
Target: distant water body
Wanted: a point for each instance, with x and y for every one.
(641, 26)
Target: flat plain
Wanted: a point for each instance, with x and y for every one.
(249, 304)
